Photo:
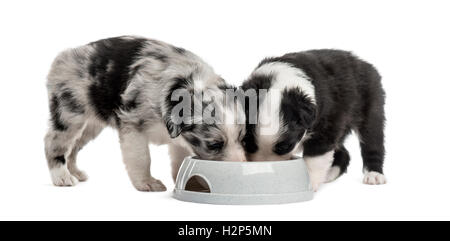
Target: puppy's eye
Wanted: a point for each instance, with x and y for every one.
(215, 146)
(244, 142)
(283, 148)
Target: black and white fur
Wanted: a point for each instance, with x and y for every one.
(126, 83)
(323, 95)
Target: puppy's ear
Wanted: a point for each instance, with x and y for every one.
(296, 107)
(308, 114)
(178, 113)
(179, 116)
(173, 129)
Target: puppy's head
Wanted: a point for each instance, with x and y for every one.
(212, 125)
(285, 112)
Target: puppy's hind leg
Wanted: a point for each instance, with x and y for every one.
(90, 132)
(371, 139)
(372, 150)
(136, 156)
(57, 143)
(67, 120)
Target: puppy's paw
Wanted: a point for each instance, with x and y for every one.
(315, 185)
(150, 185)
(80, 175)
(316, 182)
(317, 179)
(374, 178)
(62, 177)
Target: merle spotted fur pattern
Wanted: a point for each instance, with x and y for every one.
(126, 83)
(324, 95)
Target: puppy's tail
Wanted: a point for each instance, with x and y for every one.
(340, 164)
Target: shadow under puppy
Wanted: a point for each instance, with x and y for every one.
(314, 99)
(128, 83)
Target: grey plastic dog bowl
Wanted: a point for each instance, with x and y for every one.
(245, 183)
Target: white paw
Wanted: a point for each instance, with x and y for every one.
(315, 185)
(333, 173)
(374, 178)
(62, 177)
(150, 185)
(80, 175)
(317, 179)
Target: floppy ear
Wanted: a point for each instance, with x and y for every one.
(297, 108)
(178, 116)
(307, 114)
(173, 129)
(178, 106)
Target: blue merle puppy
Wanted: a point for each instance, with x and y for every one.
(127, 83)
(316, 99)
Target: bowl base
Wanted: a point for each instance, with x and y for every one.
(241, 199)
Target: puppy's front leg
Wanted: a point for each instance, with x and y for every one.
(177, 154)
(318, 167)
(136, 156)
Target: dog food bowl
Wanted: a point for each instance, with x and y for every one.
(246, 183)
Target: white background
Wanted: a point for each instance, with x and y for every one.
(408, 41)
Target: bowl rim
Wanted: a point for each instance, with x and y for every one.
(294, 159)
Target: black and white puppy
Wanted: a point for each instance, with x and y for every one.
(128, 83)
(316, 98)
